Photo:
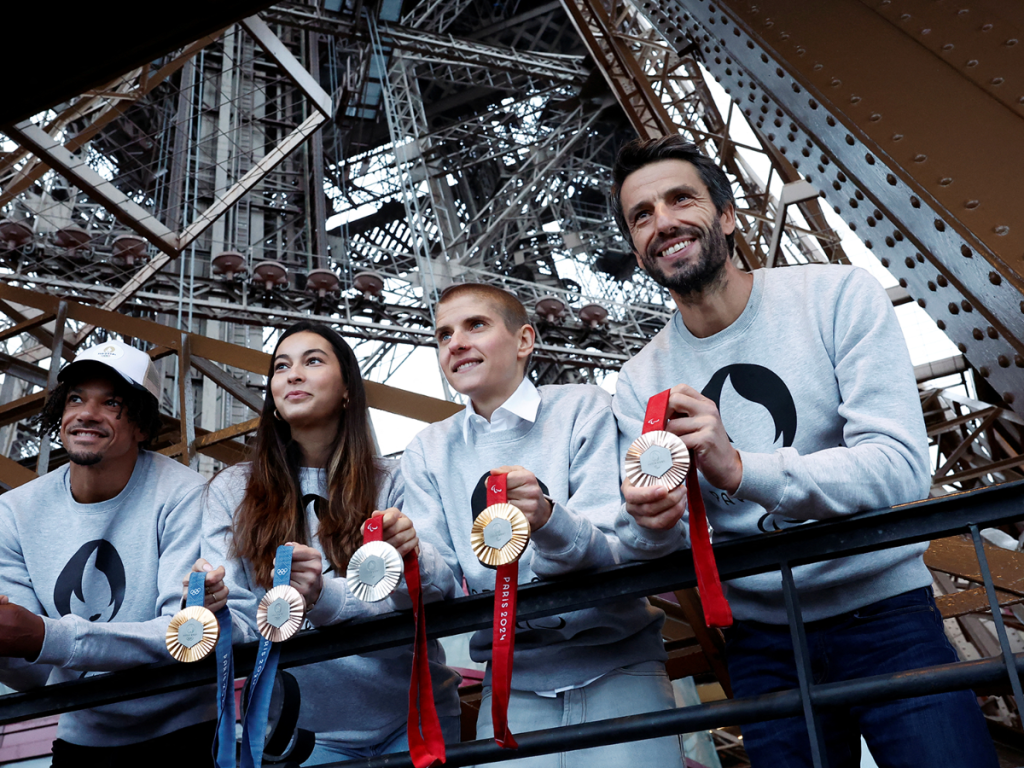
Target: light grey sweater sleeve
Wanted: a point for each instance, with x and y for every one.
(885, 457)
(76, 643)
(422, 505)
(581, 534)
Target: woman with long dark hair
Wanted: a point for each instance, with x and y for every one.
(312, 482)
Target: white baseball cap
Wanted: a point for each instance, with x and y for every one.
(133, 365)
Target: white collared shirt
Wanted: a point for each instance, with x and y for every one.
(521, 406)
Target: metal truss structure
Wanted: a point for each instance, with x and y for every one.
(346, 162)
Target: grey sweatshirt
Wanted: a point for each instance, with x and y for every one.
(106, 578)
(816, 391)
(356, 700)
(571, 448)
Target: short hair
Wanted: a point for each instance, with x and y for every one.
(511, 310)
(140, 407)
(640, 152)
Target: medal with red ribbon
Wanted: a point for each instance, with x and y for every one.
(499, 538)
(374, 571)
(660, 458)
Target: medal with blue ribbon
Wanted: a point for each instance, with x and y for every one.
(191, 635)
(279, 616)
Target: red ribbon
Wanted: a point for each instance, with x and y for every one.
(503, 643)
(426, 747)
(716, 608)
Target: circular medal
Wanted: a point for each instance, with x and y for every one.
(192, 634)
(374, 571)
(657, 458)
(500, 535)
(280, 613)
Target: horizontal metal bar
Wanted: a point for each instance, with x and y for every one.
(920, 521)
(701, 717)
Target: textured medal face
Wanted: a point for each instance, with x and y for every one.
(657, 458)
(192, 634)
(374, 571)
(510, 536)
(280, 613)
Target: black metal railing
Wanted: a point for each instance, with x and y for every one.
(813, 542)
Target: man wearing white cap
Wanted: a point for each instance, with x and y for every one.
(91, 557)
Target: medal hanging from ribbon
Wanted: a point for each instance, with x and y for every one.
(660, 458)
(374, 571)
(499, 538)
(191, 635)
(278, 617)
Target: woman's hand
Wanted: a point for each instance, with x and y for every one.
(398, 531)
(307, 572)
(216, 596)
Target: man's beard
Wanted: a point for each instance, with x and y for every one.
(687, 280)
(85, 459)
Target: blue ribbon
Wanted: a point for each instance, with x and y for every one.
(254, 727)
(224, 738)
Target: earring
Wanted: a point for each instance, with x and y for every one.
(277, 415)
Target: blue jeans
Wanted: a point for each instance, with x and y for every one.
(631, 690)
(900, 633)
(398, 741)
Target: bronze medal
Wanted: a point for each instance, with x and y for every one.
(657, 458)
(280, 613)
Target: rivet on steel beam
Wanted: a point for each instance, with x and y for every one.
(968, 307)
(818, 67)
(940, 225)
(877, 214)
(836, 82)
(972, 63)
(914, 202)
(891, 179)
(897, 137)
(812, 103)
(963, 12)
(962, 347)
(947, 47)
(926, 31)
(1008, 397)
(953, 308)
(855, 99)
(967, 254)
(892, 244)
(971, 204)
(995, 278)
(919, 158)
(997, 81)
(931, 286)
(871, 221)
(1018, 361)
(984, 371)
(922, 303)
(870, 158)
(945, 181)
(849, 140)
(978, 334)
(858, 194)
(1011, 41)
(1002, 230)
(986, 27)
(904, 17)
(908, 261)
(875, 117)
(992, 334)
(885, 263)
(852, 225)
(919, 257)
(943, 282)
(903, 282)
(869, 245)
(941, 324)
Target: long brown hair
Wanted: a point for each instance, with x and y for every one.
(272, 511)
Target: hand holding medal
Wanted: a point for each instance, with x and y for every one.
(499, 538)
(374, 569)
(193, 632)
(659, 457)
(282, 610)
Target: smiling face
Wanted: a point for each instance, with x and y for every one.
(307, 383)
(95, 429)
(678, 235)
(479, 355)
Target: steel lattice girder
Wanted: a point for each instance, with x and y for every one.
(820, 80)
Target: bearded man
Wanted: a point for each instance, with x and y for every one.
(794, 392)
(91, 560)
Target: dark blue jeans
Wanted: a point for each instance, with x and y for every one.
(900, 633)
